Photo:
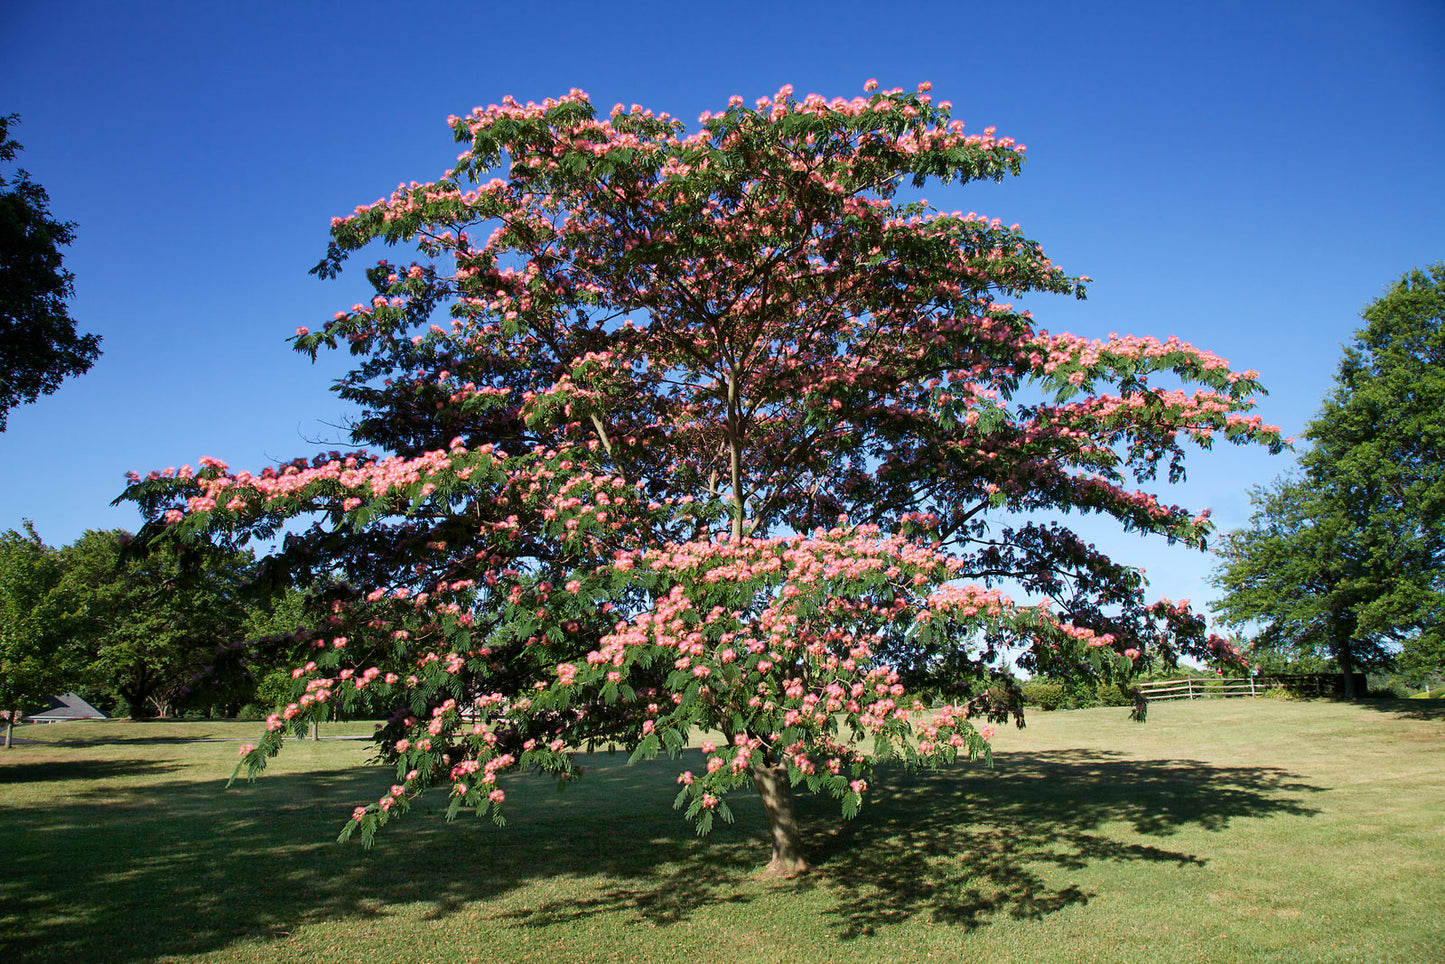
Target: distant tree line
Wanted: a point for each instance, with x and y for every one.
(168, 631)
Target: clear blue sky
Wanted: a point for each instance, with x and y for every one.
(1246, 175)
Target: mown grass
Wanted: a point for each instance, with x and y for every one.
(1219, 831)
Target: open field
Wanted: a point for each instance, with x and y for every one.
(1219, 831)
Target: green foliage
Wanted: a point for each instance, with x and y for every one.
(723, 434)
(39, 346)
(28, 669)
(1422, 657)
(1273, 661)
(1074, 694)
(276, 688)
(1080, 694)
(1046, 696)
(1388, 686)
(1112, 694)
(1346, 559)
(156, 629)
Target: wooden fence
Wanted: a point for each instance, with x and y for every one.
(1206, 688)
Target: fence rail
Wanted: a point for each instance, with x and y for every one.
(1204, 688)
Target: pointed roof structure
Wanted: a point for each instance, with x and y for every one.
(66, 706)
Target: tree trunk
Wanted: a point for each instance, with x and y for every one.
(136, 694)
(1340, 630)
(777, 793)
(1347, 668)
(9, 726)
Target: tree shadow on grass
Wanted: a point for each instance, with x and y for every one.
(90, 742)
(180, 866)
(1409, 709)
(965, 847)
(51, 770)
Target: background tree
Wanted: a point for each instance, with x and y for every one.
(1300, 570)
(1422, 657)
(39, 346)
(29, 669)
(1347, 559)
(712, 430)
(148, 628)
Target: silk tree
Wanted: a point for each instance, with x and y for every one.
(713, 429)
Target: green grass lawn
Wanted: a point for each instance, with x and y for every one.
(1234, 830)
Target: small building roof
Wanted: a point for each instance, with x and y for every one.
(66, 706)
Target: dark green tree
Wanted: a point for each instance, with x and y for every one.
(1347, 558)
(154, 628)
(29, 671)
(39, 346)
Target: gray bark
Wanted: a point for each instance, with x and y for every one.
(777, 794)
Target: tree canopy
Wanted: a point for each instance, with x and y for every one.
(29, 668)
(715, 430)
(39, 344)
(161, 629)
(152, 628)
(1347, 558)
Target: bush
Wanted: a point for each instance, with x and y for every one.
(1283, 693)
(1390, 686)
(1112, 694)
(1080, 694)
(1046, 696)
(1076, 695)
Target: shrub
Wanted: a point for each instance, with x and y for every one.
(1046, 696)
(1282, 693)
(1112, 694)
(1389, 686)
(1080, 694)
